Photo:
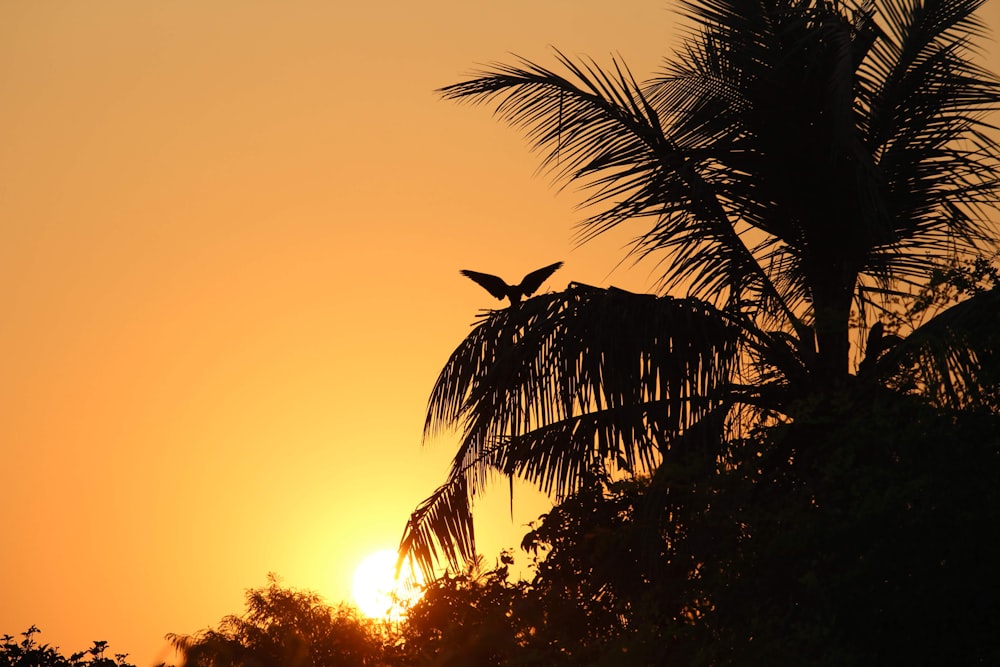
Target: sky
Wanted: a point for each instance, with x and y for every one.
(230, 237)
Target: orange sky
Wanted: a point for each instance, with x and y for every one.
(230, 236)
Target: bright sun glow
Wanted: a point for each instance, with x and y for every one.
(376, 591)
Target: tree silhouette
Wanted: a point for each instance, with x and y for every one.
(30, 653)
(805, 172)
(283, 627)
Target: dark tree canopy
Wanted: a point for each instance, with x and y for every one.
(283, 627)
(812, 396)
(29, 652)
(801, 171)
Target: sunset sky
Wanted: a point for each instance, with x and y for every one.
(230, 237)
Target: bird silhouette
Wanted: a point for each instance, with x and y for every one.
(501, 290)
(877, 344)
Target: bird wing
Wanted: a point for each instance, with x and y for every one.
(534, 280)
(493, 284)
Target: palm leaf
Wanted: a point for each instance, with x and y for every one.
(925, 101)
(441, 528)
(601, 131)
(577, 352)
(953, 359)
(565, 384)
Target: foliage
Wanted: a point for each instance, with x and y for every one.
(603, 590)
(532, 388)
(588, 603)
(797, 167)
(865, 527)
(866, 539)
(467, 618)
(967, 332)
(816, 418)
(286, 628)
(477, 616)
(956, 281)
(30, 653)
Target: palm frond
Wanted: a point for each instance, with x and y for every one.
(924, 100)
(953, 359)
(441, 528)
(559, 456)
(601, 131)
(575, 352)
(567, 383)
(884, 162)
(769, 87)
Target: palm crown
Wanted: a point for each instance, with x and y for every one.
(797, 167)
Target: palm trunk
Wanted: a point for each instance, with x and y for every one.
(832, 309)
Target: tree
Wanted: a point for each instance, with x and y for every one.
(604, 592)
(286, 628)
(471, 617)
(29, 653)
(803, 170)
(589, 602)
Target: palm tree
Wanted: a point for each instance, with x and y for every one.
(800, 169)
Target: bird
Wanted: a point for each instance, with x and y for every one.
(501, 290)
(878, 343)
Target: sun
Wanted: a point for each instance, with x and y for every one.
(377, 592)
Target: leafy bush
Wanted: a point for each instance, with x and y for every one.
(30, 653)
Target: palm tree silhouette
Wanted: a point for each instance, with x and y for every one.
(799, 169)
